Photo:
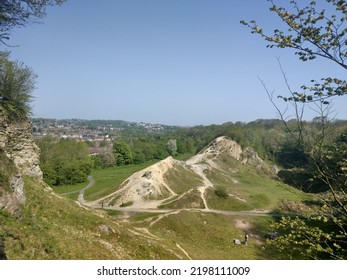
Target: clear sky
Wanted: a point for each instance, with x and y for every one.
(176, 62)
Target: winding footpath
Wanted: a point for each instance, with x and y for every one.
(82, 191)
(195, 164)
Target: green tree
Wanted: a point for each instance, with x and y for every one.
(334, 157)
(122, 153)
(104, 159)
(172, 147)
(64, 162)
(17, 83)
(314, 32)
(272, 142)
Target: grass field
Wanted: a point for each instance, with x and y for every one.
(108, 180)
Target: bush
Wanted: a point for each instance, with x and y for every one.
(221, 193)
(126, 204)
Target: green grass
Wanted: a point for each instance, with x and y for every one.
(112, 213)
(70, 188)
(253, 185)
(181, 179)
(109, 180)
(70, 191)
(189, 200)
(230, 203)
(72, 196)
(209, 236)
(184, 157)
(257, 192)
(56, 228)
(140, 217)
(7, 168)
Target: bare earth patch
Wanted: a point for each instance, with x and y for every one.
(242, 224)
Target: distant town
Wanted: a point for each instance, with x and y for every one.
(91, 130)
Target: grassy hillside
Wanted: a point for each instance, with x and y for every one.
(210, 235)
(246, 190)
(181, 179)
(52, 227)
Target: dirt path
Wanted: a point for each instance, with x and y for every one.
(82, 191)
(172, 212)
(195, 164)
(183, 251)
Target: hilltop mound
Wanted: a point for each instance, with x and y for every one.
(224, 145)
(147, 186)
(224, 152)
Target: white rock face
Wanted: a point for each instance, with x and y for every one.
(224, 145)
(17, 184)
(17, 144)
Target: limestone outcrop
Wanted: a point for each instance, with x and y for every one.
(17, 142)
(19, 158)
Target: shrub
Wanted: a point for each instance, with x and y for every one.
(221, 193)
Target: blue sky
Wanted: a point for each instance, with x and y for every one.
(177, 62)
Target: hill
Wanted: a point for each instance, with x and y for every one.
(222, 177)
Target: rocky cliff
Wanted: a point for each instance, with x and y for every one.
(19, 157)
